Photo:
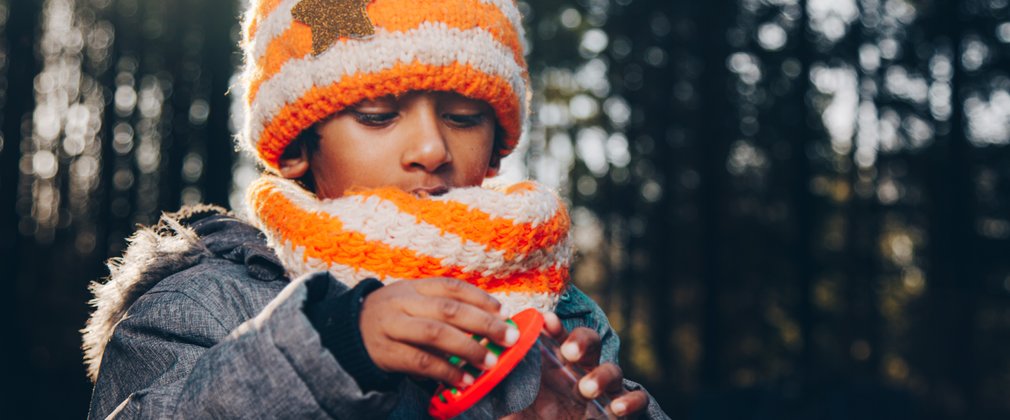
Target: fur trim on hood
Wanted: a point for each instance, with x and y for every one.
(153, 253)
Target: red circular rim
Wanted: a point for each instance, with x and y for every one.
(530, 324)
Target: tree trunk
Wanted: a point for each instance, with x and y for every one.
(953, 275)
(714, 136)
(17, 105)
(219, 57)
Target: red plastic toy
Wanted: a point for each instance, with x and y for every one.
(451, 402)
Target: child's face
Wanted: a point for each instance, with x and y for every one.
(421, 142)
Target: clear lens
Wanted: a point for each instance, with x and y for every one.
(562, 380)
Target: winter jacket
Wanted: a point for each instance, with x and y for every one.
(198, 320)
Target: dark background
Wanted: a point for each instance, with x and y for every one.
(790, 209)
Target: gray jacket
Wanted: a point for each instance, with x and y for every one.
(198, 320)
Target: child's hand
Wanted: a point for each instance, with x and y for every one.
(582, 347)
(409, 327)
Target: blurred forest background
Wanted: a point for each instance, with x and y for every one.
(790, 209)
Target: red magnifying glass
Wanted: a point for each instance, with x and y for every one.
(449, 402)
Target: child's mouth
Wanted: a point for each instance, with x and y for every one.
(430, 191)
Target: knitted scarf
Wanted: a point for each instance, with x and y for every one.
(512, 242)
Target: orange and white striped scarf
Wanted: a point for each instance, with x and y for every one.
(512, 242)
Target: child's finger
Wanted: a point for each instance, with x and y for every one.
(458, 290)
(630, 403)
(552, 324)
(441, 337)
(464, 316)
(582, 347)
(600, 380)
(613, 383)
(414, 361)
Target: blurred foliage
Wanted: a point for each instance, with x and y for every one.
(788, 208)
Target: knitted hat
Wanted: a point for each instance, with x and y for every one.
(308, 59)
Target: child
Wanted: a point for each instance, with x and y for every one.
(382, 120)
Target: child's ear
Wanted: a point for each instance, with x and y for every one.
(294, 163)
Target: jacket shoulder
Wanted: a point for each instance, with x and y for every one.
(225, 288)
(200, 242)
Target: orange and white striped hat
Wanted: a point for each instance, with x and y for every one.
(308, 59)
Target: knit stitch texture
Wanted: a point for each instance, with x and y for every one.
(471, 47)
(511, 242)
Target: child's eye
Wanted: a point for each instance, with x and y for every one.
(374, 118)
(465, 120)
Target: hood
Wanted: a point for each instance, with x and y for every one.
(179, 241)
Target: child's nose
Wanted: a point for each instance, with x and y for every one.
(427, 148)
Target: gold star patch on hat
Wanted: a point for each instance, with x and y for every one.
(331, 20)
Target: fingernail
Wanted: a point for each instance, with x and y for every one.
(619, 407)
(571, 351)
(503, 312)
(467, 380)
(490, 360)
(588, 387)
(511, 336)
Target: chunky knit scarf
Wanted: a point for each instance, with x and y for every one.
(511, 242)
